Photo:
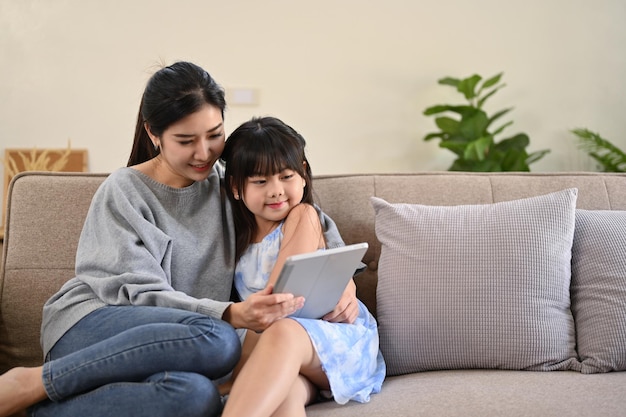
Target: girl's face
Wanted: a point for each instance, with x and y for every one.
(189, 147)
(270, 198)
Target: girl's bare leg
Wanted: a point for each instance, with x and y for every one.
(249, 343)
(20, 388)
(302, 392)
(282, 357)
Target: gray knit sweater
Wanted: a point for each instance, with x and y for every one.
(144, 243)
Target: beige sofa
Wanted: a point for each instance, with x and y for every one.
(45, 215)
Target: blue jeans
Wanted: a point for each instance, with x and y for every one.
(139, 361)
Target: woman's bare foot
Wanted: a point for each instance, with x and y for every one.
(19, 389)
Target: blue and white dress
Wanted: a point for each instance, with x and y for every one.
(349, 353)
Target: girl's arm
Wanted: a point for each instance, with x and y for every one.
(302, 233)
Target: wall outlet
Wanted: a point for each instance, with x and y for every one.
(242, 97)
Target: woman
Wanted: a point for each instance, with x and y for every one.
(147, 323)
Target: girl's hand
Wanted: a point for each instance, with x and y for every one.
(262, 309)
(347, 309)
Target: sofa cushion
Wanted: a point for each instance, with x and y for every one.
(599, 289)
(476, 286)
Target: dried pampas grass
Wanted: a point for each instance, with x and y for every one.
(38, 160)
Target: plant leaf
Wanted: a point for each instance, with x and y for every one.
(515, 160)
(454, 82)
(482, 100)
(486, 165)
(440, 108)
(456, 144)
(535, 156)
(610, 157)
(434, 135)
(492, 81)
(478, 149)
(518, 142)
(608, 163)
(501, 128)
(447, 125)
(474, 126)
(467, 86)
(499, 115)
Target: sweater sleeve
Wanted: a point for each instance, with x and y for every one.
(124, 257)
(331, 233)
(332, 236)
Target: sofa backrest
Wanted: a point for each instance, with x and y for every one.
(346, 199)
(46, 211)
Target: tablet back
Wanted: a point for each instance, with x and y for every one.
(320, 277)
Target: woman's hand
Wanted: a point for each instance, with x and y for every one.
(262, 309)
(347, 309)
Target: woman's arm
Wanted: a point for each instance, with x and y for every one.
(261, 309)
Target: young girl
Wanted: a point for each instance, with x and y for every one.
(283, 368)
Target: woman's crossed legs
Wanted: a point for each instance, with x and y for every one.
(129, 361)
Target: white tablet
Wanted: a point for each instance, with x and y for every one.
(320, 277)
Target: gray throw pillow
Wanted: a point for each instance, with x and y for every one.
(476, 286)
(599, 289)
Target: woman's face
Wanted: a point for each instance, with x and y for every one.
(190, 147)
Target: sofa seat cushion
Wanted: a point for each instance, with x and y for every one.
(476, 286)
(480, 393)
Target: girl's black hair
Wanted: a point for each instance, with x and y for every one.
(262, 146)
(171, 94)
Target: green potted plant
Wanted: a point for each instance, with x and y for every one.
(609, 157)
(472, 135)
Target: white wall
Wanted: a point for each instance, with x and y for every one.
(353, 76)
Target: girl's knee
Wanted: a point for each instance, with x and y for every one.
(285, 330)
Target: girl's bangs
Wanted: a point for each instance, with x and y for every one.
(272, 159)
(264, 163)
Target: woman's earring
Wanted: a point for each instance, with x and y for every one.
(236, 196)
(156, 146)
